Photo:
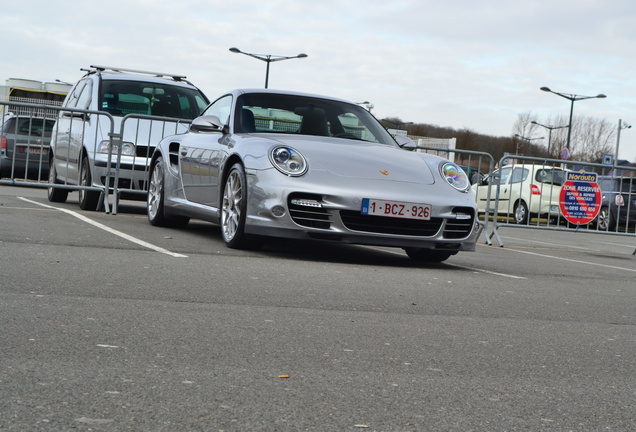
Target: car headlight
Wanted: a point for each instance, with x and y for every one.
(455, 176)
(127, 148)
(287, 160)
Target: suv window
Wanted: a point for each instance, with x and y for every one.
(84, 99)
(137, 97)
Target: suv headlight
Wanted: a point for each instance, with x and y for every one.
(127, 148)
(455, 176)
(288, 160)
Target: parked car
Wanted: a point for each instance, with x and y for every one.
(81, 144)
(264, 163)
(618, 205)
(524, 191)
(24, 146)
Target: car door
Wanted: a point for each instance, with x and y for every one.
(199, 158)
(71, 127)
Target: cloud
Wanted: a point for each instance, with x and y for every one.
(460, 64)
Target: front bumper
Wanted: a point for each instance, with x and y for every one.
(453, 224)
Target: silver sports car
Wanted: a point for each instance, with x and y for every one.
(264, 163)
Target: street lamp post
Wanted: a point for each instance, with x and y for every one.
(550, 129)
(572, 98)
(268, 58)
(621, 125)
(527, 139)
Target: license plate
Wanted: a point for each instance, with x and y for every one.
(38, 150)
(396, 209)
(32, 150)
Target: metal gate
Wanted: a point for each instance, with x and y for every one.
(539, 193)
(116, 150)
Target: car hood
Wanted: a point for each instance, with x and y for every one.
(361, 160)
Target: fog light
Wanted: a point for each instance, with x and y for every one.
(278, 211)
(306, 202)
(462, 216)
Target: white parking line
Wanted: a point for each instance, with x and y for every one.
(507, 275)
(573, 260)
(108, 229)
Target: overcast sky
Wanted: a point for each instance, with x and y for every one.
(453, 63)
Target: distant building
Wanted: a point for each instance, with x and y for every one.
(34, 92)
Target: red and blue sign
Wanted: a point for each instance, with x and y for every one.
(580, 198)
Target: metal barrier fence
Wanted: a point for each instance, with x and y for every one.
(529, 192)
(551, 194)
(102, 156)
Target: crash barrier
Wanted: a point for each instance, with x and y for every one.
(551, 194)
(475, 164)
(25, 152)
(140, 133)
(117, 150)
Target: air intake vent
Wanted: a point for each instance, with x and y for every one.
(306, 210)
(356, 221)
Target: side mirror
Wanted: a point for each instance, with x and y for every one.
(207, 123)
(405, 142)
(76, 115)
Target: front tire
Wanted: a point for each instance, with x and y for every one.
(604, 220)
(88, 199)
(55, 194)
(521, 215)
(155, 201)
(234, 208)
(428, 255)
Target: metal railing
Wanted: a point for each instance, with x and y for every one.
(529, 193)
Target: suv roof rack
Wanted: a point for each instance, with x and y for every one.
(95, 68)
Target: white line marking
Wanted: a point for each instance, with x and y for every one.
(468, 268)
(574, 260)
(110, 230)
(488, 271)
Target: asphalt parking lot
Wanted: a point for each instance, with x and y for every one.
(112, 324)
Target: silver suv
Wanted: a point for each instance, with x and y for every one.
(115, 118)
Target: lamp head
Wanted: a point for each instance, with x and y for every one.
(235, 50)
(545, 89)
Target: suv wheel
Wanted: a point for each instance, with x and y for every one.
(88, 199)
(55, 194)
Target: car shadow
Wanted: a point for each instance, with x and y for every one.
(322, 251)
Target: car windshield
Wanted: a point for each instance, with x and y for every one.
(149, 98)
(305, 115)
(29, 126)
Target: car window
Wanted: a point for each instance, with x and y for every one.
(519, 175)
(306, 115)
(550, 176)
(8, 126)
(84, 99)
(500, 176)
(221, 108)
(121, 97)
(629, 185)
(75, 93)
(35, 126)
